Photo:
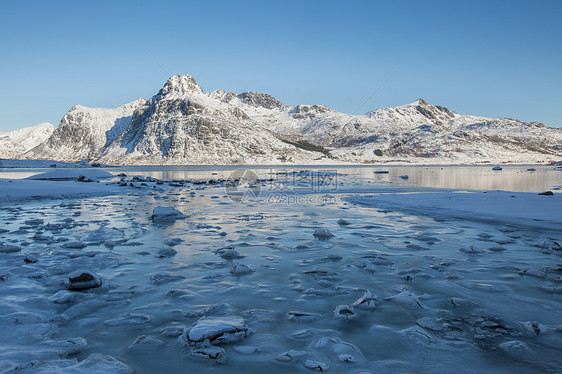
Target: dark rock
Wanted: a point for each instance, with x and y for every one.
(82, 280)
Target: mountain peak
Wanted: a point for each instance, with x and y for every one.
(179, 86)
(419, 102)
(258, 99)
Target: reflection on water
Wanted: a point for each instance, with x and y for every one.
(511, 178)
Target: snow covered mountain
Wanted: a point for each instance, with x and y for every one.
(83, 132)
(182, 124)
(15, 143)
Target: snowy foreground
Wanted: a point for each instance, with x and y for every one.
(142, 275)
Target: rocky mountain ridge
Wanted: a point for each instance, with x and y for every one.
(182, 124)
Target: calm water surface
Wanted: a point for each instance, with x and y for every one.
(511, 178)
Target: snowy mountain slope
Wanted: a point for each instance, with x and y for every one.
(182, 124)
(14, 143)
(84, 132)
(422, 131)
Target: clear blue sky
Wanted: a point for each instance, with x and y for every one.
(489, 58)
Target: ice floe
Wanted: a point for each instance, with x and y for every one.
(406, 298)
(145, 344)
(367, 301)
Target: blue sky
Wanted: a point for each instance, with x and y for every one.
(488, 58)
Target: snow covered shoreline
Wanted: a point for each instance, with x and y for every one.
(56, 184)
(12, 190)
(511, 208)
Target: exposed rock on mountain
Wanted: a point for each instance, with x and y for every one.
(260, 100)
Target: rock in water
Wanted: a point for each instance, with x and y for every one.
(166, 252)
(215, 330)
(323, 234)
(241, 269)
(83, 279)
(546, 193)
(30, 259)
(166, 214)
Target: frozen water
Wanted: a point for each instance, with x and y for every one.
(415, 301)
